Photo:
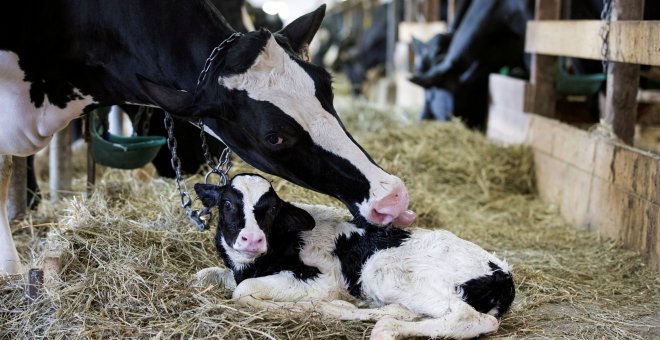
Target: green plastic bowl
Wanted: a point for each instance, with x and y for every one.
(577, 85)
(122, 152)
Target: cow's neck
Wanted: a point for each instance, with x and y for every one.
(100, 46)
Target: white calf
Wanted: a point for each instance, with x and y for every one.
(312, 257)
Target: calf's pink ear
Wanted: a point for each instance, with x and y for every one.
(209, 194)
(293, 218)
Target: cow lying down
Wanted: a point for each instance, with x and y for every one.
(304, 257)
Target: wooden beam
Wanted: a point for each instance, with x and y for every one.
(542, 95)
(635, 42)
(623, 79)
(648, 96)
(423, 31)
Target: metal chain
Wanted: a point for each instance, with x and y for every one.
(194, 216)
(213, 55)
(606, 18)
(223, 166)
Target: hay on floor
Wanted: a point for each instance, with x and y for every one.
(130, 252)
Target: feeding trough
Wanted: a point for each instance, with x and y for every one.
(119, 151)
(576, 85)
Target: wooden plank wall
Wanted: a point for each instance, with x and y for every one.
(634, 42)
(597, 184)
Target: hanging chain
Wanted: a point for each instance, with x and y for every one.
(194, 216)
(199, 217)
(224, 163)
(606, 19)
(213, 55)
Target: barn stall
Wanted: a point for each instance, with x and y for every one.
(120, 260)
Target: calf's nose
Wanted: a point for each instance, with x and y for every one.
(251, 241)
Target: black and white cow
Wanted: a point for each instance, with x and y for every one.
(63, 57)
(454, 67)
(307, 257)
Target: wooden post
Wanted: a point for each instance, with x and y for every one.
(623, 80)
(433, 8)
(51, 267)
(60, 163)
(542, 94)
(35, 284)
(17, 198)
(409, 10)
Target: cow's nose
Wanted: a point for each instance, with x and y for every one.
(392, 208)
(251, 241)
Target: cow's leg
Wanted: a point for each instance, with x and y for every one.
(9, 260)
(461, 322)
(281, 287)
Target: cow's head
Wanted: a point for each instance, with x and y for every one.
(275, 110)
(249, 210)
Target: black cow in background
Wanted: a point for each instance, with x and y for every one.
(453, 67)
(361, 41)
(485, 36)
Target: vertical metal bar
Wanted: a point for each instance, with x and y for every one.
(392, 29)
(60, 166)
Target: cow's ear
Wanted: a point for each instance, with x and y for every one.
(293, 218)
(209, 194)
(169, 99)
(301, 31)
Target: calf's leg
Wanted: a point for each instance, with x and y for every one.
(337, 309)
(461, 322)
(215, 275)
(10, 263)
(282, 290)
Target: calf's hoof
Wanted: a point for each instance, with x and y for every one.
(215, 276)
(385, 329)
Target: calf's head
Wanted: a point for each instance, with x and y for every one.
(250, 212)
(275, 110)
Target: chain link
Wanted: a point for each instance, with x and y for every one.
(221, 168)
(199, 217)
(606, 19)
(213, 55)
(195, 216)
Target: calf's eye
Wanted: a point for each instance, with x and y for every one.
(227, 205)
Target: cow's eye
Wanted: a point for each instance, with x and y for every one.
(227, 205)
(275, 139)
(273, 210)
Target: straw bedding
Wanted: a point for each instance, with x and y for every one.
(129, 253)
